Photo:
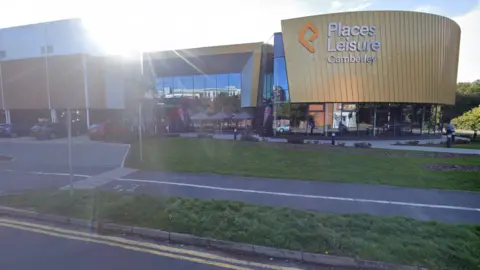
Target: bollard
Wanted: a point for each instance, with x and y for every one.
(449, 140)
(333, 138)
(235, 133)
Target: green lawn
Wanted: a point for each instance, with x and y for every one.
(392, 239)
(370, 166)
(472, 145)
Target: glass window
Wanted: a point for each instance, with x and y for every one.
(278, 49)
(280, 80)
(187, 85)
(211, 85)
(168, 85)
(199, 85)
(222, 83)
(159, 86)
(235, 83)
(177, 86)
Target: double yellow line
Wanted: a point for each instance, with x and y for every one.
(146, 247)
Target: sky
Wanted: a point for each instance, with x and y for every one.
(154, 25)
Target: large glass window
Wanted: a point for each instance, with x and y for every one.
(222, 83)
(234, 84)
(211, 86)
(187, 82)
(208, 86)
(159, 87)
(199, 85)
(183, 85)
(281, 93)
(168, 86)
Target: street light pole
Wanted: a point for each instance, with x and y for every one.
(140, 140)
(142, 92)
(69, 131)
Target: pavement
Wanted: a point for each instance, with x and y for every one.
(28, 245)
(381, 144)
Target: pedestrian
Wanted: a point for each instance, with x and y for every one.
(451, 131)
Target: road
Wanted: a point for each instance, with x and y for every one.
(44, 164)
(26, 245)
(439, 205)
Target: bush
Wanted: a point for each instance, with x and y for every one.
(412, 143)
(171, 135)
(295, 141)
(249, 138)
(459, 141)
(204, 136)
(362, 145)
(470, 120)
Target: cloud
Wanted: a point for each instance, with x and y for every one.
(469, 63)
(429, 9)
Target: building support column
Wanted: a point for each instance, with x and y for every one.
(374, 119)
(53, 116)
(423, 120)
(8, 119)
(325, 127)
(7, 112)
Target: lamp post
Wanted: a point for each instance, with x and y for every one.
(70, 165)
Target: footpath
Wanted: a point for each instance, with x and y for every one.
(381, 144)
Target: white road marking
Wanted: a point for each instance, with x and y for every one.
(125, 156)
(49, 173)
(437, 206)
(60, 174)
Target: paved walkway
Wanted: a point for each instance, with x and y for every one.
(381, 144)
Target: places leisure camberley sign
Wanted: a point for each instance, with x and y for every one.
(344, 38)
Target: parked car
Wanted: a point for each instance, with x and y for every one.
(48, 131)
(108, 131)
(13, 130)
(283, 128)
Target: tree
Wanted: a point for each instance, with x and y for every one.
(469, 120)
(467, 98)
(225, 103)
(466, 88)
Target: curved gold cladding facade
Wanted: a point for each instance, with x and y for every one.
(372, 56)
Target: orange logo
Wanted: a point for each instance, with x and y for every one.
(308, 44)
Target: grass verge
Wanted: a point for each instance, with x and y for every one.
(368, 166)
(391, 239)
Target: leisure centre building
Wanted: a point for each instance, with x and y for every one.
(365, 73)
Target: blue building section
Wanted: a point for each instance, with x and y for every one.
(280, 79)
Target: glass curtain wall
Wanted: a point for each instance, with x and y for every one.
(367, 119)
(280, 93)
(202, 86)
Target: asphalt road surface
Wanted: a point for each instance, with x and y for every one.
(44, 164)
(440, 205)
(26, 245)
